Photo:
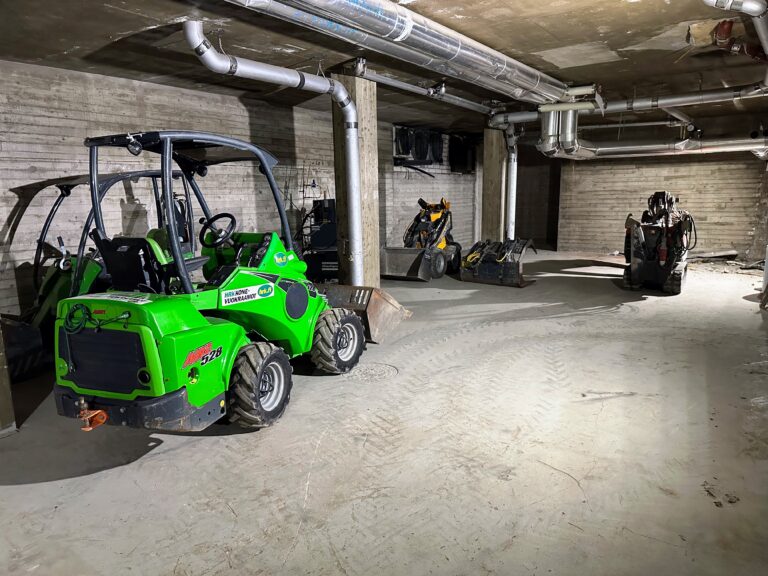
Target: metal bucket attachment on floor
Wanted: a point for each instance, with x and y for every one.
(484, 265)
(379, 311)
(404, 264)
(24, 350)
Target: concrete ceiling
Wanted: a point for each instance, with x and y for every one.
(627, 46)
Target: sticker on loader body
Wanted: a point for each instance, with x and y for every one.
(115, 297)
(204, 354)
(240, 295)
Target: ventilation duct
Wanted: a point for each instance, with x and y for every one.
(570, 146)
(391, 29)
(244, 68)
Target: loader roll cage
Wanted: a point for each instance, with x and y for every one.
(106, 182)
(193, 152)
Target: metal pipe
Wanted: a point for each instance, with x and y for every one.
(644, 104)
(391, 29)
(619, 125)
(681, 147)
(571, 147)
(387, 19)
(757, 9)
(567, 106)
(243, 68)
(511, 196)
(405, 86)
(682, 116)
(749, 7)
(501, 120)
(549, 141)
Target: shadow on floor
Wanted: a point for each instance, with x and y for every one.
(29, 394)
(49, 447)
(593, 287)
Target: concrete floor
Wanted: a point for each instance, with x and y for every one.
(567, 428)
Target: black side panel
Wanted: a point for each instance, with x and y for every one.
(107, 360)
(296, 301)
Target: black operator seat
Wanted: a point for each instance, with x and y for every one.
(131, 263)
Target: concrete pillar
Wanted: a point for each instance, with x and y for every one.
(757, 250)
(363, 94)
(7, 419)
(494, 167)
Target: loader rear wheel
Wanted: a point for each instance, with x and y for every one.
(627, 278)
(260, 385)
(339, 341)
(438, 263)
(674, 283)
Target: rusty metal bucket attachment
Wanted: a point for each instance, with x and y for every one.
(379, 311)
(404, 264)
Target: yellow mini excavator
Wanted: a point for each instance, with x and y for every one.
(429, 250)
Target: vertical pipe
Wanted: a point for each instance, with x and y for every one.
(259, 71)
(354, 203)
(511, 191)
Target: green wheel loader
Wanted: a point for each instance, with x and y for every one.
(29, 337)
(182, 340)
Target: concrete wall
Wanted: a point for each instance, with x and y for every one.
(400, 189)
(45, 113)
(721, 192)
(538, 192)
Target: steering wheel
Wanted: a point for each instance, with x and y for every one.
(220, 236)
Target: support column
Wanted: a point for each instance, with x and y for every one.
(760, 239)
(494, 164)
(7, 420)
(363, 94)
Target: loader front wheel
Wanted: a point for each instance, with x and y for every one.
(438, 263)
(260, 385)
(338, 342)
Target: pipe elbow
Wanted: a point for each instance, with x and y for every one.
(193, 33)
(207, 54)
(750, 7)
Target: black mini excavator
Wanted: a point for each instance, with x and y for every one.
(656, 247)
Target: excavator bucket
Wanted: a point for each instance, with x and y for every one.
(404, 264)
(379, 311)
(497, 263)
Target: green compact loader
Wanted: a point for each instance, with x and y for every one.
(29, 337)
(181, 340)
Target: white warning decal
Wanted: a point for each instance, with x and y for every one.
(240, 295)
(117, 297)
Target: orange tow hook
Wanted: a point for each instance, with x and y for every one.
(92, 419)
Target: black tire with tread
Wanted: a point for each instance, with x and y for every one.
(245, 405)
(674, 283)
(627, 278)
(325, 345)
(438, 263)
